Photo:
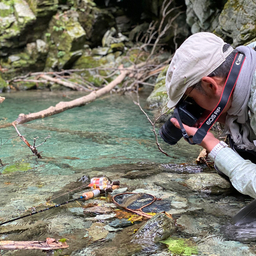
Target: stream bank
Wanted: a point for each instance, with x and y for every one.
(89, 141)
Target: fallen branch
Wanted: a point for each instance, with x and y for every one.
(64, 83)
(62, 106)
(49, 244)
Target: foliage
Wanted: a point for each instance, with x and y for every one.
(60, 54)
(60, 28)
(62, 240)
(180, 246)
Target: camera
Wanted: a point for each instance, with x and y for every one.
(189, 113)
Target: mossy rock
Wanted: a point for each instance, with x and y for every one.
(86, 62)
(159, 96)
(117, 47)
(20, 166)
(180, 246)
(66, 38)
(3, 84)
(5, 9)
(138, 55)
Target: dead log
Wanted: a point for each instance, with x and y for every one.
(64, 83)
(62, 106)
(49, 244)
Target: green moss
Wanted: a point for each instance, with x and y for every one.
(117, 47)
(5, 12)
(180, 246)
(33, 5)
(86, 62)
(17, 167)
(20, 64)
(137, 54)
(3, 83)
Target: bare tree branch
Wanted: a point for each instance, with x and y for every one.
(153, 124)
(33, 147)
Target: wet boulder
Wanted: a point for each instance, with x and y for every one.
(211, 183)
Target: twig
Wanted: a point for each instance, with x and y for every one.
(32, 148)
(153, 125)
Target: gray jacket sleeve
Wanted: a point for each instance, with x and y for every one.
(242, 173)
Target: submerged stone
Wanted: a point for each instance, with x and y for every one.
(17, 167)
(97, 231)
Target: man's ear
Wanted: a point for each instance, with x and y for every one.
(210, 85)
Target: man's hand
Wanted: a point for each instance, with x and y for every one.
(209, 141)
(2, 99)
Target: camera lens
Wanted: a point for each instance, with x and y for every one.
(189, 113)
(169, 133)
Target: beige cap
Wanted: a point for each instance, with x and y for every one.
(198, 56)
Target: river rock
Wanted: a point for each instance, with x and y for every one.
(120, 223)
(66, 224)
(237, 21)
(158, 228)
(211, 183)
(97, 231)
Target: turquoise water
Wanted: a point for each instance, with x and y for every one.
(110, 130)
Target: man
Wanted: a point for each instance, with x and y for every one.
(199, 70)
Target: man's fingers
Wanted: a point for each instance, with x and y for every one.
(2, 99)
(175, 122)
(189, 130)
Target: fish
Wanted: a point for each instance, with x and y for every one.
(130, 199)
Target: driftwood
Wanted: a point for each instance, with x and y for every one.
(48, 245)
(64, 83)
(62, 106)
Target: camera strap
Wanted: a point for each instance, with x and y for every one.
(217, 111)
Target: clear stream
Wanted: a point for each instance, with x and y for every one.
(109, 136)
(110, 130)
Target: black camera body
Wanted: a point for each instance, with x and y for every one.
(189, 113)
